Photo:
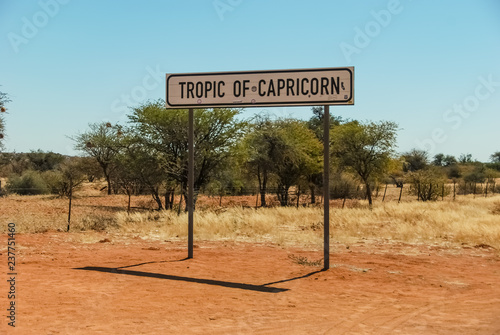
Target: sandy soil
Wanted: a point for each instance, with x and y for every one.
(74, 284)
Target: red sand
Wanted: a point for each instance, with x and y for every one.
(370, 289)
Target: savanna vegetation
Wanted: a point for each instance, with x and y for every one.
(133, 178)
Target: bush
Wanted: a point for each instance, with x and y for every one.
(54, 181)
(428, 184)
(29, 183)
(344, 186)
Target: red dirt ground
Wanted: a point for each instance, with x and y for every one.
(132, 286)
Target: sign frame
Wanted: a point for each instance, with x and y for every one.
(326, 129)
(280, 102)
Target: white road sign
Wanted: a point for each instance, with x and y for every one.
(328, 86)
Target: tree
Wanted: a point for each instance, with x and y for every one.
(465, 158)
(298, 154)
(44, 161)
(258, 146)
(364, 148)
(100, 142)
(427, 184)
(495, 157)
(164, 134)
(449, 160)
(415, 160)
(72, 177)
(315, 123)
(4, 99)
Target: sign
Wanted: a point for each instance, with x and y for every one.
(306, 87)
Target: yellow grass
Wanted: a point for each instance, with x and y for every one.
(444, 223)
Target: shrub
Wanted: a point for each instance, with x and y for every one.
(29, 183)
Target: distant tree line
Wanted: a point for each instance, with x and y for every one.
(275, 159)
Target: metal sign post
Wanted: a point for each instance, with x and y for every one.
(326, 188)
(190, 182)
(276, 88)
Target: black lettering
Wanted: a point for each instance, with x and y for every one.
(190, 88)
(271, 88)
(182, 89)
(335, 86)
(199, 89)
(245, 87)
(262, 81)
(324, 85)
(237, 88)
(208, 88)
(306, 92)
(314, 86)
(219, 89)
(289, 86)
(281, 85)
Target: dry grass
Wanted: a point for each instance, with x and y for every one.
(475, 222)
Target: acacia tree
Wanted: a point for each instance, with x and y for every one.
(101, 142)
(3, 100)
(298, 154)
(364, 148)
(285, 150)
(71, 177)
(164, 133)
(258, 146)
(495, 157)
(315, 123)
(415, 160)
(138, 166)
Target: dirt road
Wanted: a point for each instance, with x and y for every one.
(74, 284)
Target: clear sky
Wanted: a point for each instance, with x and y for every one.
(433, 67)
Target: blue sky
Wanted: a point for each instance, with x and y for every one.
(431, 66)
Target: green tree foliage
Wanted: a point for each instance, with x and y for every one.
(495, 161)
(284, 150)
(4, 99)
(139, 166)
(495, 157)
(29, 183)
(365, 149)
(164, 134)
(259, 146)
(415, 160)
(298, 154)
(100, 142)
(444, 160)
(44, 161)
(315, 123)
(465, 158)
(427, 184)
(477, 175)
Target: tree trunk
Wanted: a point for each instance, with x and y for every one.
(400, 193)
(369, 194)
(313, 194)
(69, 206)
(108, 180)
(263, 192)
(167, 199)
(156, 197)
(180, 201)
(172, 197)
